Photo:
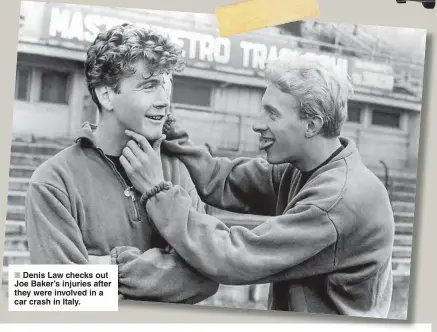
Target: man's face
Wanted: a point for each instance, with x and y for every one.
(142, 101)
(282, 131)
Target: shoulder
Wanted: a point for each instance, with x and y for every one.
(350, 192)
(326, 187)
(363, 184)
(52, 171)
(343, 181)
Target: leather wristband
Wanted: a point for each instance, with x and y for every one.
(156, 189)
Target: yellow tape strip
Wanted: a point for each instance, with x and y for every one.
(257, 14)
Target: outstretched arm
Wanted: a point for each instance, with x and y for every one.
(244, 185)
(299, 243)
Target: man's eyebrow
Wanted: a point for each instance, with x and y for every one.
(270, 108)
(147, 81)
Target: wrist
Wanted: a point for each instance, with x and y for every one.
(163, 185)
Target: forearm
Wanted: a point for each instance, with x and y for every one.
(237, 255)
(243, 185)
(156, 275)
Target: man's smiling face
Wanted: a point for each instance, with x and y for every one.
(281, 128)
(142, 101)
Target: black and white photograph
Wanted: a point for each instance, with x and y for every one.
(270, 170)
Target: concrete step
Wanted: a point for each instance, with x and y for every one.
(28, 159)
(404, 217)
(403, 207)
(15, 257)
(15, 212)
(18, 184)
(403, 240)
(13, 227)
(406, 197)
(404, 228)
(16, 197)
(401, 252)
(21, 171)
(36, 148)
(16, 243)
(42, 140)
(396, 179)
(393, 172)
(401, 265)
(404, 187)
(5, 277)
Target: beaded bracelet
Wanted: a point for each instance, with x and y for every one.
(156, 189)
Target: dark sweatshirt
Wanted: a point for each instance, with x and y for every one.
(326, 248)
(78, 205)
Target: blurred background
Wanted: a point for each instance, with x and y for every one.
(216, 98)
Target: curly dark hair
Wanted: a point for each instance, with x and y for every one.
(115, 51)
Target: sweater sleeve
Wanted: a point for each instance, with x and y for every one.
(243, 185)
(159, 275)
(284, 247)
(53, 234)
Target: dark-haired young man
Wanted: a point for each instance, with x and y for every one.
(81, 204)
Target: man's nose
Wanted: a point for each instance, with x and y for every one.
(162, 98)
(259, 127)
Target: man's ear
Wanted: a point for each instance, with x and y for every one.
(315, 124)
(105, 96)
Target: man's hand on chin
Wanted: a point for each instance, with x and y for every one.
(142, 162)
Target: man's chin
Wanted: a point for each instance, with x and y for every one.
(273, 159)
(151, 137)
(270, 160)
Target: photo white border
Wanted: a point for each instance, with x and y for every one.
(423, 271)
